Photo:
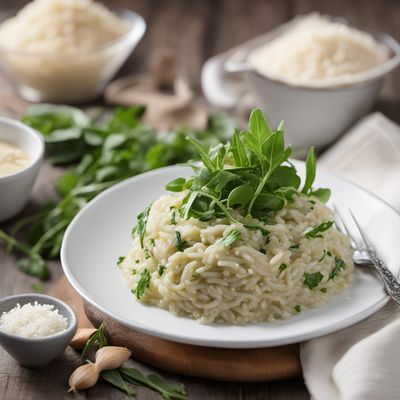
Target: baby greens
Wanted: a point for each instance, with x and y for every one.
(250, 174)
(313, 279)
(143, 283)
(231, 237)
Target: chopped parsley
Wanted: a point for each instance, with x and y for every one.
(282, 267)
(339, 264)
(140, 227)
(316, 232)
(231, 237)
(323, 256)
(142, 284)
(134, 272)
(298, 308)
(120, 260)
(137, 261)
(161, 269)
(173, 217)
(147, 254)
(312, 279)
(194, 276)
(294, 246)
(263, 251)
(152, 242)
(180, 244)
(329, 253)
(323, 290)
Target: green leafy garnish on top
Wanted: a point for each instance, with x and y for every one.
(317, 231)
(250, 174)
(313, 279)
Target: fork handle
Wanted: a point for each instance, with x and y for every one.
(391, 283)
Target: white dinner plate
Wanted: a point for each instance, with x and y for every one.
(101, 232)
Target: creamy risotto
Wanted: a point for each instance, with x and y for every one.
(242, 240)
(255, 279)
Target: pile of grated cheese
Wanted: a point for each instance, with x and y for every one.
(316, 51)
(49, 26)
(33, 320)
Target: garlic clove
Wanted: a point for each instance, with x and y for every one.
(84, 377)
(81, 337)
(111, 357)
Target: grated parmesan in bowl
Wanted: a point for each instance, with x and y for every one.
(33, 321)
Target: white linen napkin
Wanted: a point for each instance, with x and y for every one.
(361, 362)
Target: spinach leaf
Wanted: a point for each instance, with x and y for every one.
(313, 279)
(311, 165)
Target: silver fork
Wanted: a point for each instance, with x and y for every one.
(365, 254)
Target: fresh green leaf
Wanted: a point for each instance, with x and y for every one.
(180, 244)
(203, 154)
(317, 231)
(177, 185)
(115, 378)
(311, 165)
(143, 283)
(339, 264)
(120, 260)
(298, 308)
(140, 227)
(161, 269)
(313, 279)
(323, 256)
(168, 391)
(238, 150)
(96, 341)
(66, 183)
(231, 237)
(322, 194)
(241, 195)
(282, 267)
(269, 201)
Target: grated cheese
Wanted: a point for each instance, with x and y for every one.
(57, 26)
(33, 320)
(319, 52)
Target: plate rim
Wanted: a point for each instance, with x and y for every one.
(232, 344)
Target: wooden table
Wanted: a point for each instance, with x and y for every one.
(196, 29)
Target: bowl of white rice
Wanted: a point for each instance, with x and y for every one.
(66, 50)
(317, 73)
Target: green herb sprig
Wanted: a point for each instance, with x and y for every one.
(250, 174)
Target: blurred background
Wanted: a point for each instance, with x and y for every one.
(199, 29)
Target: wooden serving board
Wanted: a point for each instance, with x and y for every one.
(247, 365)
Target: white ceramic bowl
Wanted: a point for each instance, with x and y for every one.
(15, 189)
(73, 77)
(313, 116)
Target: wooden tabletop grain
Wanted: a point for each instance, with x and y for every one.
(196, 29)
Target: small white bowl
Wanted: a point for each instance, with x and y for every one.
(15, 189)
(72, 77)
(313, 116)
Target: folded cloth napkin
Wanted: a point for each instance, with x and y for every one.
(361, 362)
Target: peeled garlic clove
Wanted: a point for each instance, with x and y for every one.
(84, 377)
(111, 357)
(81, 337)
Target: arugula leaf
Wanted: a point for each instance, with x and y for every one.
(238, 150)
(316, 232)
(269, 201)
(140, 227)
(339, 264)
(313, 279)
(168, 391)
(241, 195)
(231, 237)
(180, 244)
(115, 378)
(203, 154)
(177, 185)
(311, 165)
(143, 283)
(322, 194)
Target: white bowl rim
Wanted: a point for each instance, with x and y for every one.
(134, 34)
(37, 159)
